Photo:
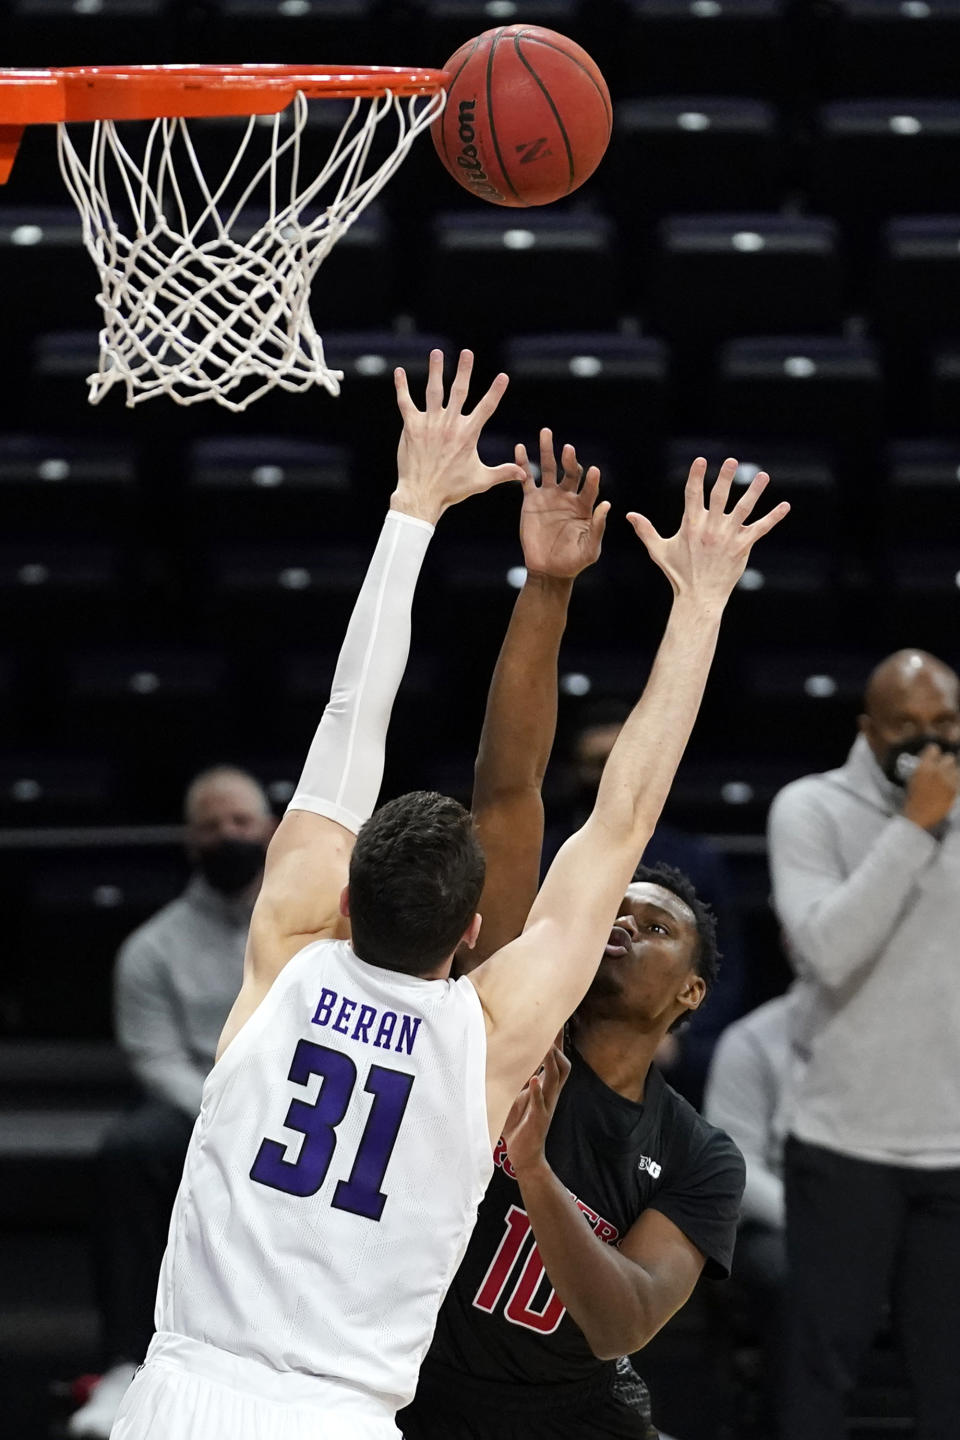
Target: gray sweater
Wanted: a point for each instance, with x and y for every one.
(750, 1085)
(176, 979)
(870, 904)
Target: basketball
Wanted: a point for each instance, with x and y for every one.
(527, 119)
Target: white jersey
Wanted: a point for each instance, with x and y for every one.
(334, 1174)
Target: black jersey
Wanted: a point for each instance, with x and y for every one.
(501, 1320)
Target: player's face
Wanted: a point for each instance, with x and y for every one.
(647, 972)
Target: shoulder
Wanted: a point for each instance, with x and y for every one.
(807, 792)
(702, 1182)
(699, 1152)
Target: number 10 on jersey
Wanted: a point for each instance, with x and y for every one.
(360, 1192)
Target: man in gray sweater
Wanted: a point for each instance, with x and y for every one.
(176, 979)
(866, 875)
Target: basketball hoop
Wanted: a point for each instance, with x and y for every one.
(190, 309)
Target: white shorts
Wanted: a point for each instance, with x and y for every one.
(186, 1390)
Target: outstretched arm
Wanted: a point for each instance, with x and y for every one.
(561, 528)
(531, 986)
(308, 857)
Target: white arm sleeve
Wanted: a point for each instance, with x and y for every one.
(344, 768)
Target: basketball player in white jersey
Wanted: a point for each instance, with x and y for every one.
(346, 1133)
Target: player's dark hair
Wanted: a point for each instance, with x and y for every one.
(706, 957)
(416, 874)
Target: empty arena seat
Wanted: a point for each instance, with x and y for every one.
(586, 378)
(248, 486)
(59, 587)
(172, 705)
(814, 694)
(921, 580)
(49, 278)
(796, 586)
(731, 46)
(887, 47)
(368, 359)
(816, 680)
(944, 374)
(83, 906)
(804, 385)
(477, 260)
(319, 31)
(40, 788)
(107, 32)
(299, 589)
(63, 486)
(56, 373)
(8, 694)
(449, 23)
(731, 795)
(745, 274)
(922, 481)
(918, 287)
(871, 157)
(692, 152)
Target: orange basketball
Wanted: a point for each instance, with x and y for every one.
(527, 118)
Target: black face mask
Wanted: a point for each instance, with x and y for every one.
(900, 761)
(231, 865)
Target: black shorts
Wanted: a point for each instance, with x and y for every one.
(450, 1405)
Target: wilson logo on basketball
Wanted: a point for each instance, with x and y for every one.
(469, 158)
(533, 150)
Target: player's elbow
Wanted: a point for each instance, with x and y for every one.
(620, 1334)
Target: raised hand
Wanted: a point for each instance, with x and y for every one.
(529, 1119)
(561, 524)
(437, 461)
(933, 788)
(709, 552)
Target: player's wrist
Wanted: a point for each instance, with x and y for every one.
(544, 583)
(532, 1170)
(699, 607)
(410, 500)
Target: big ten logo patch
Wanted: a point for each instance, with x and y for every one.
(650, 1166)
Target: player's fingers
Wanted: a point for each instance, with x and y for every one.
(591, 486)
(548, 461)
(745, 505)
(461, 383)
(488, 403)
(598, 520)
(645, 531)
(571, 469)
(506, 474)
(765, 524)
(405, 404)
(563, 1065)
(435, 380)
(693, 490)
(720, 493)
(523, 460)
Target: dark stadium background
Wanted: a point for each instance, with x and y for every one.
(767, 264)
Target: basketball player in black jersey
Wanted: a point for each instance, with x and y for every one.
(610, 1193)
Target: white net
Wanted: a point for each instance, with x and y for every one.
(195, 306)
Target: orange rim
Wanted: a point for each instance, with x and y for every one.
(149, 92)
